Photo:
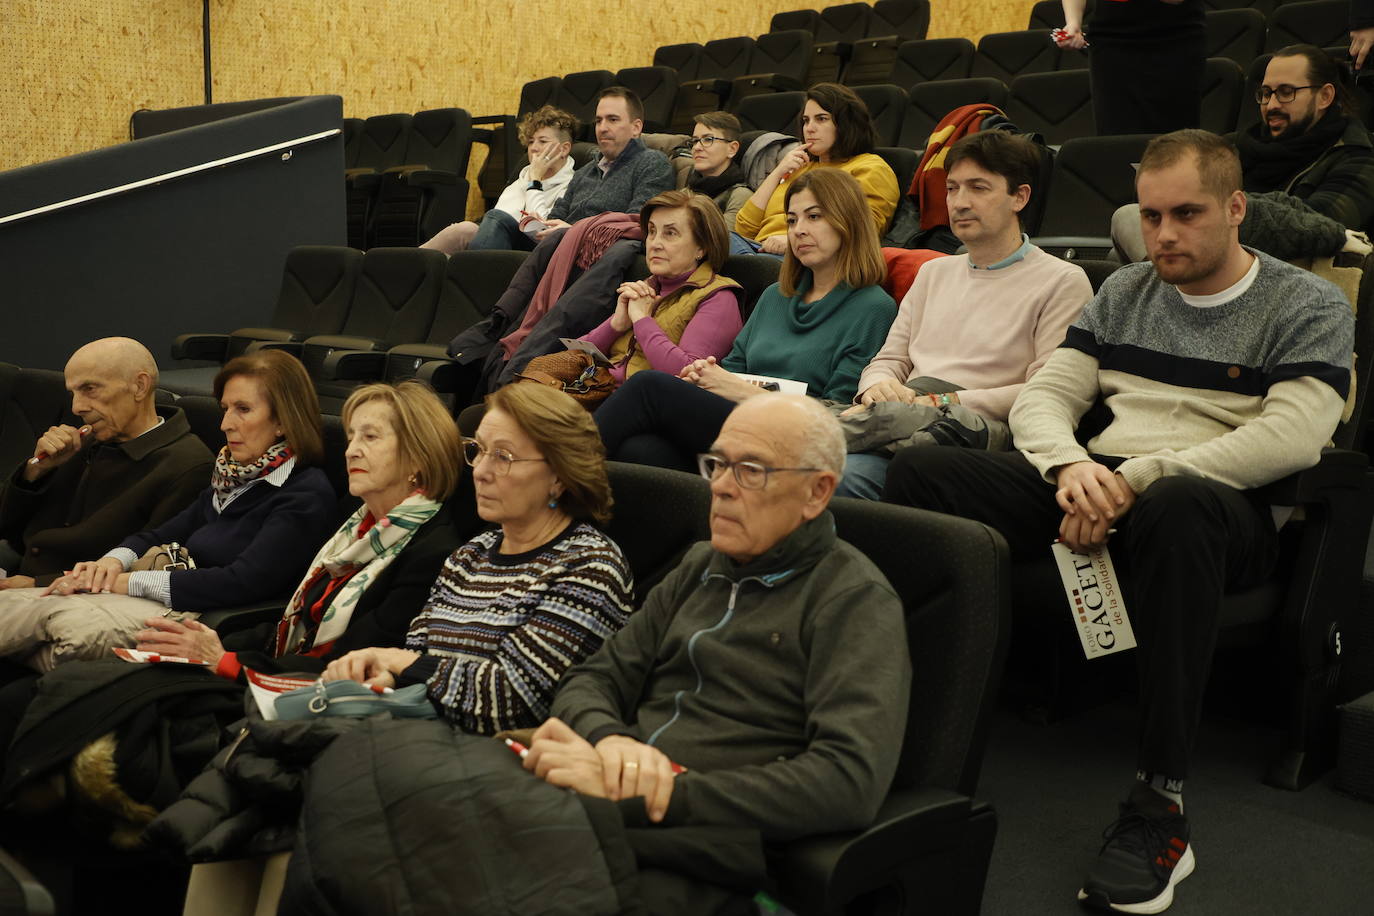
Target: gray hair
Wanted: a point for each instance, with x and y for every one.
(821, 442)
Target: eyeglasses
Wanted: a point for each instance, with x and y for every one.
(1286, 93)
(750, 475)
(474, 451)
(706, 141)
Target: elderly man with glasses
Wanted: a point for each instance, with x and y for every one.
(763, 685)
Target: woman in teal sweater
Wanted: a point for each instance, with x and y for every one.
(820, 324)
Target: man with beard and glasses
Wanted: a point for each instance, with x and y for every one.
(1223, 369)
(1308, 165)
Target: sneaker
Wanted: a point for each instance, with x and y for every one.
(1144, 854)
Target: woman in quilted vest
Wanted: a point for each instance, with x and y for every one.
(686, 310)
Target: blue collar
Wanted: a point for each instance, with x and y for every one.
(1010, 259)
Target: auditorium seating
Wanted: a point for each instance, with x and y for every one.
(1056, 105)
(417, 199)
(777, 63)
(932, 101)
(1049, 14)
(1324, 23)
(887, 104)
(794, 19)
(656, 88)
(1005, 55)
(719, 62)
(381, 145)
(576, 95)
(930, 60)
(1223, 94)
(1237, 34)
(776, 111)
(1092, 177)
(839, 27)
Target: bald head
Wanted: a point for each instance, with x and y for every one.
(112, 381)
(801, 446)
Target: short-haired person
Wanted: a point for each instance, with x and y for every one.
(139, 465)
(771, 663)
(715, 170)
(837, 132)
(973, 328)
(1223, 369)
(685, 310)
(1310, 148)
(546, 134)
(623, 176)
(249, 533)
(819, 324)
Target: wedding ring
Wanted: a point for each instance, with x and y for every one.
(631, 763)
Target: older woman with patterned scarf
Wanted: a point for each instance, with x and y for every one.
(371, 577)
(248, 534)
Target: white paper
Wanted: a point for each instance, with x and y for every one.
(265, 689)
(785, 385)
(1095, 600)
(590, 349)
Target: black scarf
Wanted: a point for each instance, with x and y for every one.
(714, 186)
(1269, 164)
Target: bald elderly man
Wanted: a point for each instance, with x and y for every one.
(128, 468)
(771, 663)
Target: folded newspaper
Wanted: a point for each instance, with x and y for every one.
(1095, 599)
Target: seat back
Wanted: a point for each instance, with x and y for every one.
(577, 95)
(656, 88)
(785, 54)
(537, 93)
(1223, 94)
(845, 22)
(903, 162)
(794, 19)
(440, 139)
(382, 142)
(930, 60)
(1056, 105)
(352, 134)
(1324, 23)
(1254, 77)
(1237, 34)
(683, 59)
(1006, 55)
(1092, 177)
(473, 281)
(957, 604)
(907, 20)
(871, 61)
(317, 284)
(31, 400)
(657, 515)
(776, 111)
(204, 416)
(725, 58)
(395, 296)
(753, 273)
(932, 101)
(887, 105)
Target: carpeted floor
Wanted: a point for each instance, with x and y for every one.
(1260, 851)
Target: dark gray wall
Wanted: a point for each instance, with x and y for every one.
(198, 253)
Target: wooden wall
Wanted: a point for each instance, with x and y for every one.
(81, 68)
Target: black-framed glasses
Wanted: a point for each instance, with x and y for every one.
(750, 475)
(706, 141)
(1285, 93)
(473, 452)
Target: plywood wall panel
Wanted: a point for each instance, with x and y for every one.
(75, 70)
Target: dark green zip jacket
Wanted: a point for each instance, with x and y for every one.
(781, 685)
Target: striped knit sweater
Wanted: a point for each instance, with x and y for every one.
(1242, 393)
(498, 631)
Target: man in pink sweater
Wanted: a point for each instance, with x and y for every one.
(972, 328)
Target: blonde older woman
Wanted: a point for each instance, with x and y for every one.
(545, 577)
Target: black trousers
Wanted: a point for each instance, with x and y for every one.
(1148, 87)
(1182, 544)
(658, 419)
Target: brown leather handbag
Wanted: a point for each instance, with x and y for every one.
(574, 373)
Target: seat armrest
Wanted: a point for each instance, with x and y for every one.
(354, 365)
(294, 347)
(718, 86)
(443, 375)
(351, 174)
(1072, 241)
(494, 119)
(827, 871)
(776, 81)
(200, 346)
(232, 619)
(428, 178)
(841, 49)
(264, 334)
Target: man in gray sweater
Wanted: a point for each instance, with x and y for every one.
(764, 683)
(1223, 369)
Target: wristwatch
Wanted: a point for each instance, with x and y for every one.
(535, 185)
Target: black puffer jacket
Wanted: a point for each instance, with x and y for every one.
(413, 817)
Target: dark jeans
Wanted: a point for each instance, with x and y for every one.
(500, 230)
(658, 419)
(1182, 544)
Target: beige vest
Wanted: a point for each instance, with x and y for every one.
(672, 314)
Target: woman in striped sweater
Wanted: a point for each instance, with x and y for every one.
(517, 605)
